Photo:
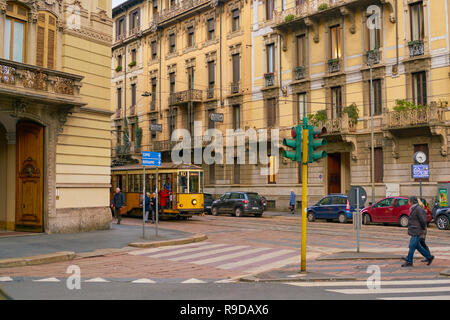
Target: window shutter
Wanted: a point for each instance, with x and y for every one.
(40, 46)
(211, 25)
(51, 49)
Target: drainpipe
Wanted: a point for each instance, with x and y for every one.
(220, 56)
(160, 72)
(396, 36)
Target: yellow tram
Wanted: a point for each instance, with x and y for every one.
(183, 182)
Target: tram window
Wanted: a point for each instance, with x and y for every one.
(201, 182)
(194, 183)
(182, 183)
(130, 183)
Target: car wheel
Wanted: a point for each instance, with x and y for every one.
(214, 211)
(404, 221)
(258, 214)
(442, 222)
(342, 218)
(238, 212)
(311, 216)
(366, 219)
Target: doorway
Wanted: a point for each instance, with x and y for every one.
(29, 177)
(334, 173)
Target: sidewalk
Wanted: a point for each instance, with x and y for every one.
(61, 247)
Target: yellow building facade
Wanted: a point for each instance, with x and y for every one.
(267, 64)
(55, 137)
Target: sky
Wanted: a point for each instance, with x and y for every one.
(115, 3)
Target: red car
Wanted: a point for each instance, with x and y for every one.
(391, 210)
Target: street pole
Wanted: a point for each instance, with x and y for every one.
(143, 207)
(357, 220)
(304, 191)
(157, 211)
(372, 149)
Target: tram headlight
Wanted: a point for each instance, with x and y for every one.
(194, 201)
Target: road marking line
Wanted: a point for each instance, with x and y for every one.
(224, 281)
(6, 279)
(364, 283)
(391, 290)
(96, 280)
(177, 252)
(208, 253)
(231, 256)
(418, 298)
(151, 250)
(47, 280)
(262, 257)
(143, 281)
(274, 265)
(193, 280)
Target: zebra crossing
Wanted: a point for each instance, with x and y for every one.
(430, 289)
(224, 256)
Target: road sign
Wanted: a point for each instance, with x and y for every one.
(355, 194)
(151, 159)
(156, 127)
(216, 117)
(420, 171)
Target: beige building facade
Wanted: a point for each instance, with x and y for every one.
(55, 140)
(266, 64)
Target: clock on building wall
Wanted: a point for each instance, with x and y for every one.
(420, 157)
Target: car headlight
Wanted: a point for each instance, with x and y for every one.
(194, 201)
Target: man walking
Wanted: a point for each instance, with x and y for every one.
(292, 202)
(417, 225)
(117, 203)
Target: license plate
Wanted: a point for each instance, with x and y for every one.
(255, 208)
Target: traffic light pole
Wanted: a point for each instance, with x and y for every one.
(304, 191)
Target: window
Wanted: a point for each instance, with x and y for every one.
(172, 82)
(339, 200)
(401, 202)
(325, 201)
(133, 132)
(417, 24)
(236, 68)
(270, 51)
(133, 55)
(46, 38)
(335, 42)
(385, 203)
(155, 7)
(119, 134)
(379, 167)
(153, 104)
(153, 133)
(15, 33)
(120, 28)
(212, 174)
(134, 20)
(272, 170)
(211, 79)
(373, 38)
(172, 43)
(271, 113)
(301, 50)
(190, 34)
(424, 149)
(211, 124)
(190, 72)
(235, 25)
(236, 117)
(133, 94)
(236, 172)
(119, 61)
(419, 88)
(377, 103)
(269, 9)
(119, 98)
(211, 29)
(172, 120)
(302, 107)
(336, 102)
(154, 50)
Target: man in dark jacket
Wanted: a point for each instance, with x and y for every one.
(117, 203)
(417, 225)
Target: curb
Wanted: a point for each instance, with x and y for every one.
(308, 277)
(195, 238)
(445, 273)
(358, 256)
(38, 259)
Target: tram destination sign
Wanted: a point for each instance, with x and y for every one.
(151, 159)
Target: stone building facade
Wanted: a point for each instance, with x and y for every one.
(54, 115)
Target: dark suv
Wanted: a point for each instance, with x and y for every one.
(238, 204)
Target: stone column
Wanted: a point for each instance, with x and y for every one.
(11, 181)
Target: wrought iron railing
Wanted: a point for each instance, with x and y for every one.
(373, 57)
(177, 9)
(191, 95)
(304, 9)
(299, 73)
(334, 65)
(416, 48)
(270, 79)
(342, 124)
(210, 92)
(415, 117)
(234, 87)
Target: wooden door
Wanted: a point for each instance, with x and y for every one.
(334, 173)
(30, 176)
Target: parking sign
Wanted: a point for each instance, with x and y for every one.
(420, 171)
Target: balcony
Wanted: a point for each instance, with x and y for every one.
(373, 57)
(121, 37)
(210, 92)
(334, 65)
(153, 105)
(413, 118)
(48, 86)
(132, 110)
(305, 9)
(299, 73)
(416, 48)
(234, 87)
(191, 95)
(163, 145)
(118, 113)
(179, 9)
(269, 79)
(341, 125)
(135, 31)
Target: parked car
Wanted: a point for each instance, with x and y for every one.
(208, 199)
(442, 218)
(391, 210)
(331, 207)
(238, 204)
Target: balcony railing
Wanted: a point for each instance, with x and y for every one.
(341, 125)
(153, 105)
(118, 113)
(177, 9)
(191, 95)
(121, 37)
(135, 30)
(415, 117)
(132, 110)
(234, 87)
(334, 65)
(305, 9)
(299, 73)
(270, 79)
(373, 57)
(54, 84)
(416, 48)
(163, 145)
(210, 92)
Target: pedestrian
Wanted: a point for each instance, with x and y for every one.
(292, 201)
(424, 235)
(417, 224)
(153, 206)
(147, 206)
(117, 203)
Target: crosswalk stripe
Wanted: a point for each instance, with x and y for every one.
(6, 279)
(143, 281)
(193, 280)
(159, 249)
(47, 280)
(418, 298)
(364, 283)
(391, 290)
(230, 256)
(183, 250)
(96, 280)
(277, 264)
(262, 257)
(208, 253)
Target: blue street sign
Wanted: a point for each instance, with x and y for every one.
(420, 171)
(151, 159)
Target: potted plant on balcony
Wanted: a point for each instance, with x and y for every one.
(132, 64)
(118, 68)
(352, 112)
(322, 6)
(289, 18)
(316, 118)
(137, 145)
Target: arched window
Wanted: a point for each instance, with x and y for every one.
(46, 40)
(15, 32)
